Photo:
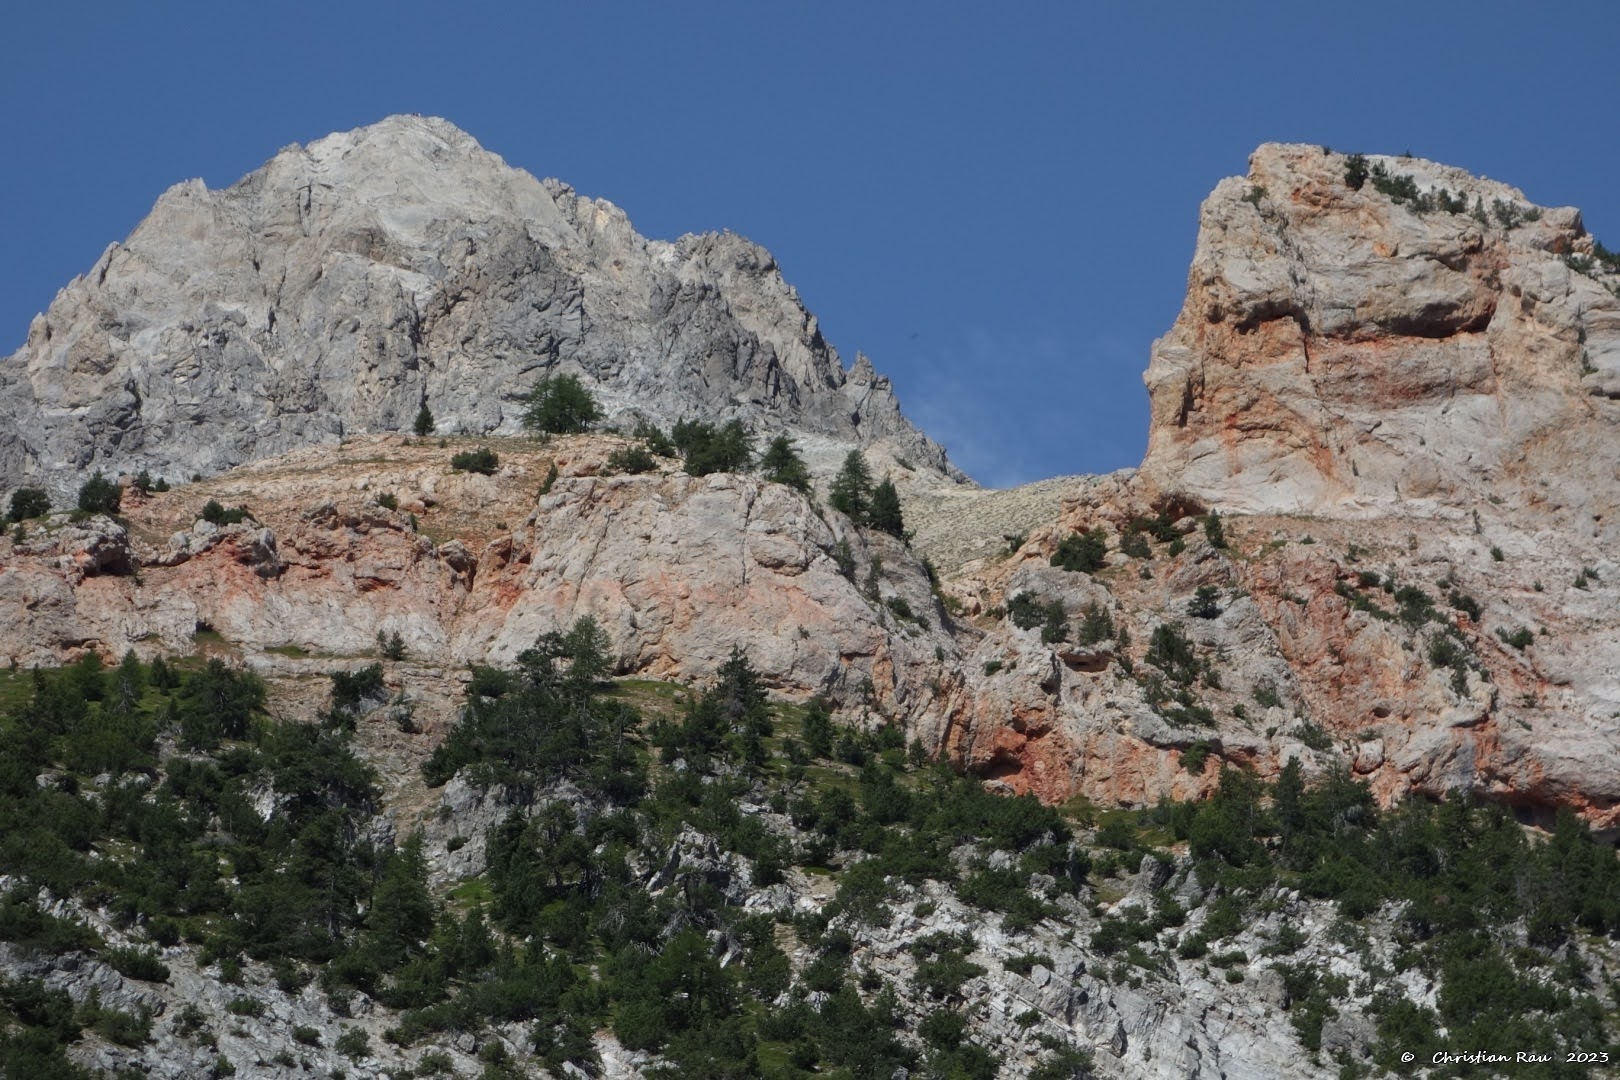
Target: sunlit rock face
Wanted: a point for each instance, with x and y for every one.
(338, 287)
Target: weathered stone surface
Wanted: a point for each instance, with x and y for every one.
(677, 569)
(336, 288)
(1342, 354)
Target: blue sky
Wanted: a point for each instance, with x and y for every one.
(998, 205)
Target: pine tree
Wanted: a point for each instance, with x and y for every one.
(741, 693)
(28, 503)
(885, 512)
(1082, 552)
(424, 421)
(1213, 531)
(100, 495)
(852, 488)
(782, 465)
(401, 915)
(1288, 802)
(560, 405)
(1205, 604)
(709, 449)
(588, 647)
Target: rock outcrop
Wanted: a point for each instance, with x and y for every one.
(468, 568)
(1344, 352)
(337, 288)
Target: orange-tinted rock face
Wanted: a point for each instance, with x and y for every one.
(1339, 353)
(677, 569)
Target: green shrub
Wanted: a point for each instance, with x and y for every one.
(424, 422)
(1082, 552)
(1027, 612)
(902, 610)
(1400, 187)
(351, 688)
(1194, 757)
(215, 514)
(885, 515)
(632, 459)
(658, 443)
(1520, 639)
(1096, 624)
(353, 1044)
(28, 503)
(140, 964)
(708, 449)
(781, 464)
(1205, 604)
(1171, 651)
(483, 460)
(1024, 963)
(1355, 171)
(99, 495)
(851, 492)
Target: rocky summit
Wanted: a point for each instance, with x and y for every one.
(385, 751)
(332, 291)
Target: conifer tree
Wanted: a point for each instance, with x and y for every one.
(885, 512)
(852, 488)
(782, 465)
(560, 405)
(424, 421)
(401, 915)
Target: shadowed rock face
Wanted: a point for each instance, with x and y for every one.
(339, 286)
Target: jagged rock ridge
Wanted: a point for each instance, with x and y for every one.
(336, 288)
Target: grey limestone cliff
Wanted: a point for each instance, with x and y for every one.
(336, 288)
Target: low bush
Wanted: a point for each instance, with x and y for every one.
(483, 461)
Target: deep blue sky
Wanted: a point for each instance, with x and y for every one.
(997, 204)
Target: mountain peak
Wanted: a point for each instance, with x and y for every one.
(340, 285)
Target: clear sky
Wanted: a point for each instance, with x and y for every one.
(996, 202)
